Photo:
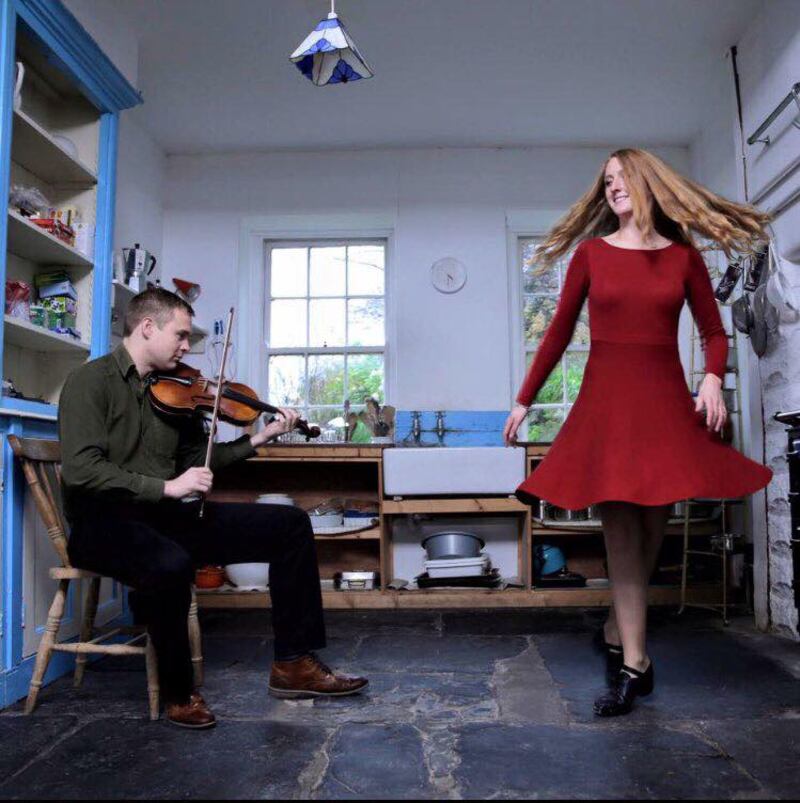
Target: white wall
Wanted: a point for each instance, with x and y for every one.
(141, 170)
(110, 24)
(452, 352)
(769, 57)
(769, 62)
(141, 162)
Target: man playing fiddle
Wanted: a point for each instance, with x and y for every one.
(126, 469)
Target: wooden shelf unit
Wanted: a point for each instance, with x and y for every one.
(312, 474)
(313, 471)
(458, 599)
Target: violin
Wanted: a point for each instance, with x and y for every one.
(185, 390)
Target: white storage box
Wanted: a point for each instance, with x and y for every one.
(458, 567)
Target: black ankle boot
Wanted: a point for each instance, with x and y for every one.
(629, 685)
(613, 656)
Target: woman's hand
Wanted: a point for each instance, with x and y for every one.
(710, 397)
(513, 422)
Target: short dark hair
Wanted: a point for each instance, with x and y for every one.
(156, 303)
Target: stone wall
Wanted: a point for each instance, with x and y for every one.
(780, 377)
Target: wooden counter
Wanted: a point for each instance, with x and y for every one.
(312, 473)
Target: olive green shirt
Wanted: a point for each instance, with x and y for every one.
(116, 447)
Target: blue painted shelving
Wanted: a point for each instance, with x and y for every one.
(68, 78)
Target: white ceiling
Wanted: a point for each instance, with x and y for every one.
(216, 75)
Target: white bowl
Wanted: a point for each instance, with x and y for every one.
(275, 499)
(248, 576)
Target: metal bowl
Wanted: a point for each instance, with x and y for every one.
(562, 514)
(453, 544)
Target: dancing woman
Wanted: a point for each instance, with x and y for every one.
(635, 441)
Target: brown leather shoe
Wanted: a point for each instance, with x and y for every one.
(194, 714)
(308, 677)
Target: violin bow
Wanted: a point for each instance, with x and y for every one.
(218, 397)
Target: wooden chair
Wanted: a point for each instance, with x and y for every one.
(40, 461)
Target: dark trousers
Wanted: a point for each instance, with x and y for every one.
(155, 550)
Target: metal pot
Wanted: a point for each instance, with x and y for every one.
(727, 542)
(562, 514)
(676, 511)
(453, 544)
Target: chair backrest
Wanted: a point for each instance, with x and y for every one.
(41, 463)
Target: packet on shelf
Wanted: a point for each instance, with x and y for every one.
(18, 300)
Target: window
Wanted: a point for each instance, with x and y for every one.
(539, 299)
(326, 315)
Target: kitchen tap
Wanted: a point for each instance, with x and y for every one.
(416, 425)
(440, 428)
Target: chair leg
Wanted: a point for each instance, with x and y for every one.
(151, 667)
(195, 643)
(89, 614)
(45, 652)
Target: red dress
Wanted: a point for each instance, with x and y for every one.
(632, 434)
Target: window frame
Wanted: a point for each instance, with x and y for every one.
(308, 350)
(255, 231)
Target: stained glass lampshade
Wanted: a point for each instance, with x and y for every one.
(329, 56)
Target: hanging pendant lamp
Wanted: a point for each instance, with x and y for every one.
(329, 56)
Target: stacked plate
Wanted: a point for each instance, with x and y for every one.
(458, 567)
(275, 499)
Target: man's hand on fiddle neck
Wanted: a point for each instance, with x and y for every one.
(285, 421)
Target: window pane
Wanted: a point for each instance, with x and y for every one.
(327, 322)
(576, 365)
(326, 379)
(286, 375)
(287, 323)
(365, 270)
(288, 272)
(543, 424)
(365, 322)
(364, 377)
(552, 391)
(328, 271)
(581, 336)
(543, 283)
(537, 314)
(326, 417)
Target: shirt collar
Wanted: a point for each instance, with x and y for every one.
(124, 361)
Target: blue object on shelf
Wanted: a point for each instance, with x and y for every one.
(548, 560)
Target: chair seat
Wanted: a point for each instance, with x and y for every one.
(64, 573)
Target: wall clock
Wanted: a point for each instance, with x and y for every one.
(448, 275)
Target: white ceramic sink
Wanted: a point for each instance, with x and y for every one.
(453, 470)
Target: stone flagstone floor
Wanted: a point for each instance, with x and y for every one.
(488, 704)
